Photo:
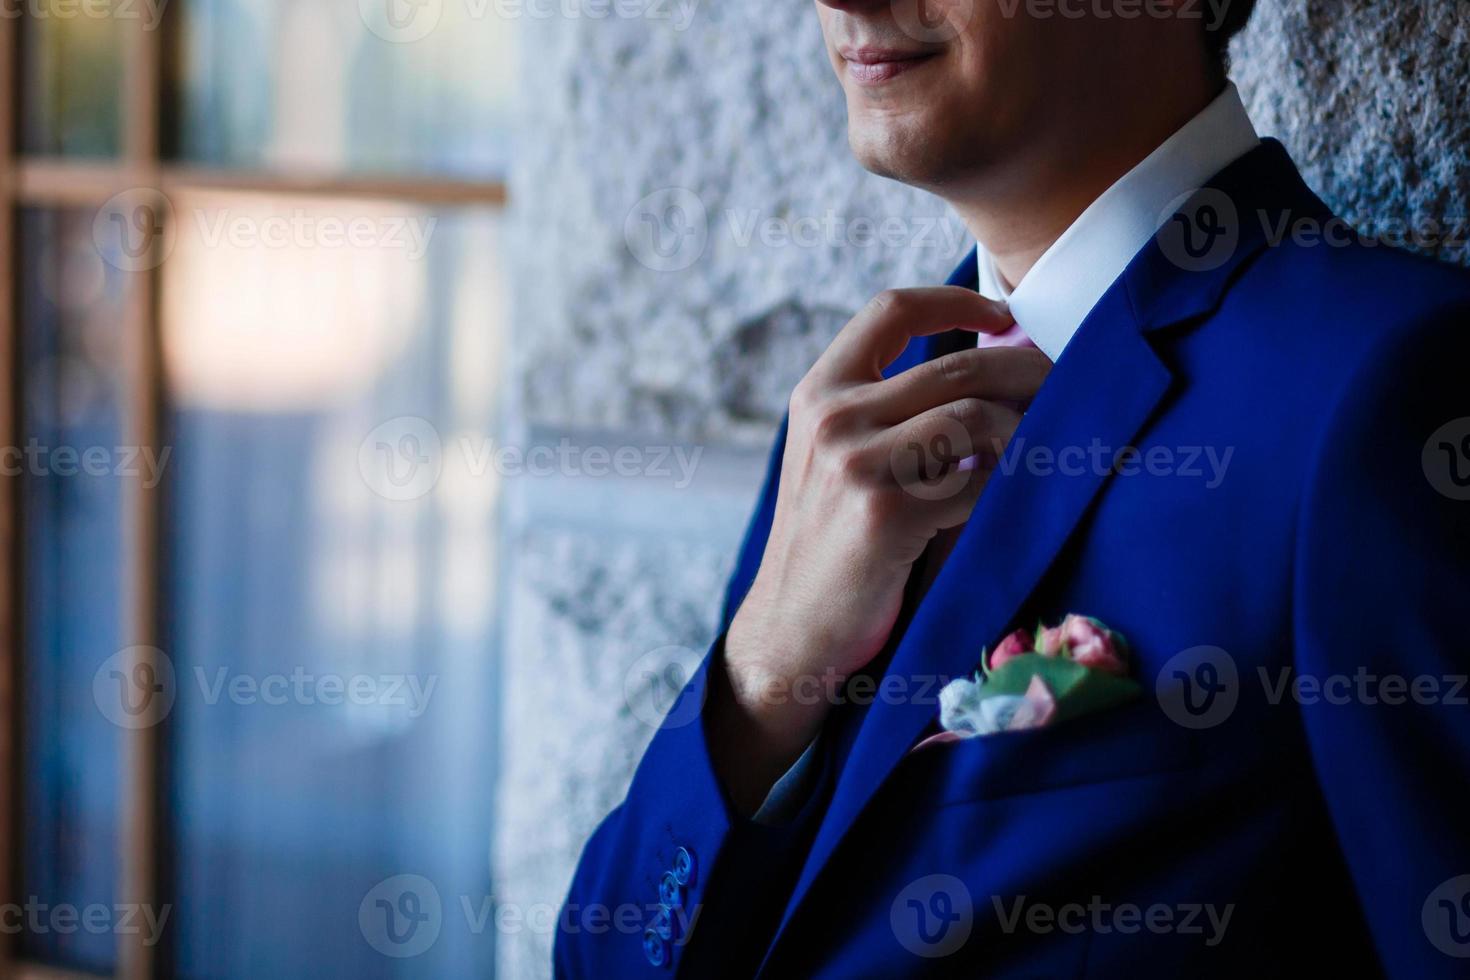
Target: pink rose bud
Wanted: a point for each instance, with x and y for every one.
(1091, 644)
(1011, 647)
(1049, 642)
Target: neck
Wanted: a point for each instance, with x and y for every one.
(1019, 208)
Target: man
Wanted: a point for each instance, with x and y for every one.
(1184, 403)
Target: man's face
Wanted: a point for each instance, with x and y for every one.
(937, 90)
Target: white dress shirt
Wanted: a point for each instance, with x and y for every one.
(1064, 285)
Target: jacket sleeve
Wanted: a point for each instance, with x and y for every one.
(673, 879)
(1382, 582)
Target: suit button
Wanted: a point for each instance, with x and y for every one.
(684, 866)
(663, 922)
(670, 892)
(655, 948)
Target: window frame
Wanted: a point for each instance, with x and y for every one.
(48, 181)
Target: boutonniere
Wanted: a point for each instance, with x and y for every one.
(1036, 680)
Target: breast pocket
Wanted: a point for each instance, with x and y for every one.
(1129, 742)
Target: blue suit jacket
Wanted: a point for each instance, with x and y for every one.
(1331, 556)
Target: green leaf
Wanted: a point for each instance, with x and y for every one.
(1078, 690)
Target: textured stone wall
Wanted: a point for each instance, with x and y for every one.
(657, 301)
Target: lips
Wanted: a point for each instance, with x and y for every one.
(873, 66)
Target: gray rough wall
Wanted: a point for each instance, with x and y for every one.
(699, 344)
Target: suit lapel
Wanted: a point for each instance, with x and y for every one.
(1105, 386)
(1103, 391)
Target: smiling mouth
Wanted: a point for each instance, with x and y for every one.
(874, 66)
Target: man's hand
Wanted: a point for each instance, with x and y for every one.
(872, 471)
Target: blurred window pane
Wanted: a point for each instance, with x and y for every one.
(71, 305)
(72, 75)
(333, 369)
(379, 86)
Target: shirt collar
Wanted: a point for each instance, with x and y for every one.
(1064, 285)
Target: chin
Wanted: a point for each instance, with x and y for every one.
(912, 151)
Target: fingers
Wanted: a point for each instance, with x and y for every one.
(1011, 374)
(946, 455)
(874, 338)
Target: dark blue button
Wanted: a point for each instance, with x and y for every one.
(684, 866)
(655, 948)
(670, 892)
(663, 922)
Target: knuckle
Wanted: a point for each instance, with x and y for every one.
(805, 397)
(955, 369)
(891, 302)
(831, 421)
(968, 411)
(851, 466)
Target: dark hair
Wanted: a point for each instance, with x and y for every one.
(1230, 23)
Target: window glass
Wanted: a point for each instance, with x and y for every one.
(71, 71)
(333, 368)
(376, 86)
(72, 468)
